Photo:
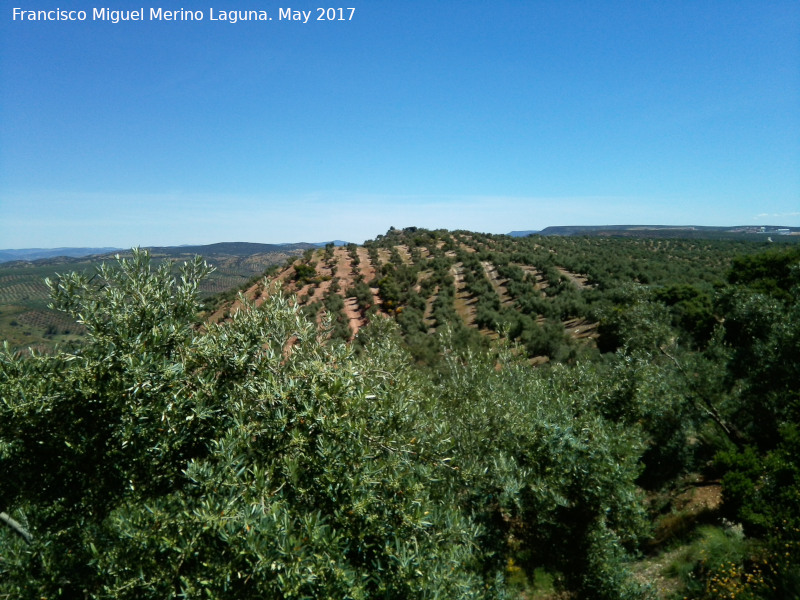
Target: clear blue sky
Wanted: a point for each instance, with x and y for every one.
(490, 116)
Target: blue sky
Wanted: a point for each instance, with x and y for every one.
(489, 116)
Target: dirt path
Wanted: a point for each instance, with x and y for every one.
(497, 283)
(467, 248)
(347, 278)
(652, 571)
(581, 329)
(322, 268)
(344, 269)
(541, 282)
(368, 272)
(354, 316)
(404, 254)
(428, 315)
(383, 256)
(464, 305)
(580, 281)
(365, 266)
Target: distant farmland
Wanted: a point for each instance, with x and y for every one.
(26, 321)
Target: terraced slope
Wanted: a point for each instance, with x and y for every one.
(428, 284)
(545, 294)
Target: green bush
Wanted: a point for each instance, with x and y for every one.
(246, 460)
(258, 459)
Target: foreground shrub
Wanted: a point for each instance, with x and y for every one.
(259, 458)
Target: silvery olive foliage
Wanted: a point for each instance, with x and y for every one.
(259, 458)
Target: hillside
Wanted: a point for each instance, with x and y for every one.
(26, 320)
(547, 294)
(259, 456)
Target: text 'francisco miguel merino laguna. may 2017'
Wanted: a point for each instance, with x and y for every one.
(160, 14)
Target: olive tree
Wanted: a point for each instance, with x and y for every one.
(168, 459)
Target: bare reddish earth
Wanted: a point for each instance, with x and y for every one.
(428, 315)
(353, 313)
(464, 305)
(421, 276)
(581, 329)
(497, 283)
(467, 248)
(365, 266)
(580, 281)
(404, 254)
(541, 282)
(368, 272)
(347, 278)
(383, 255)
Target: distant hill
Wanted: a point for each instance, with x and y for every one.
(228, 249)
(426, 280)
(208, 250)
(26, 320)
(671, 231)
(334, 242)
(661, 231)
(243, 249)
(37, 253)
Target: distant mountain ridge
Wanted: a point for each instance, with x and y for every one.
(206, 250)
(334, 242)
(228, 248)
(688, 231)
(249, 248)
(37, 253)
